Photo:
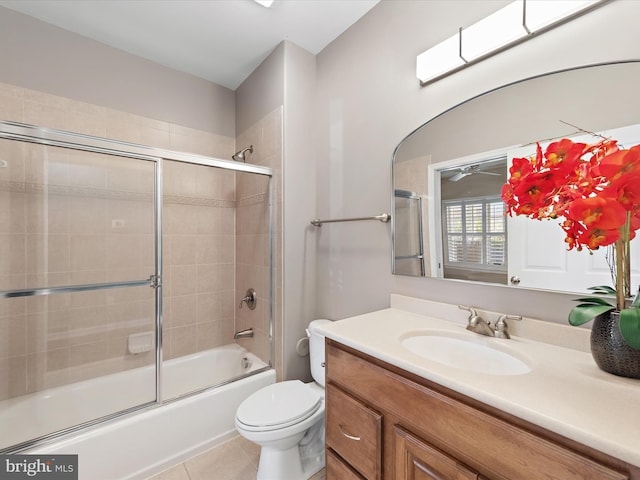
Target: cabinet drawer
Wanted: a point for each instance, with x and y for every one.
(338, 470)
(354, 431)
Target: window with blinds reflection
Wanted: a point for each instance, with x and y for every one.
(475, 235)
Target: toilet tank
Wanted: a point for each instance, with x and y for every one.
(316, 350)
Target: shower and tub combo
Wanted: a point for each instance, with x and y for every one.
(122, 269)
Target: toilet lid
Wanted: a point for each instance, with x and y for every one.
(281, 403)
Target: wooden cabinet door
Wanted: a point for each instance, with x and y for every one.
(417, 460)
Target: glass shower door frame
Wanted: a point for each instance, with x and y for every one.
(57, 138)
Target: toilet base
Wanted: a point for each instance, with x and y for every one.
(300, 462)
(281, 464)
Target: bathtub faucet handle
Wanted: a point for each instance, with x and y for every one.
(250, 298)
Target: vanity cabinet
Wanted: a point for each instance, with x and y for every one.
(386, 423)
(414, 459)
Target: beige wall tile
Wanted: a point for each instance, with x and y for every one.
(180, 219)
(13, 212)
(88, 252)
(125, 175)
(87, 169)
(13, 340)
(208, 306)
(122, 126)
(183, 310)
(14, 371)
(209, 278)
(156, 135)
(183, 340)
(87, 215)
(208, 249)
(183, 250)
(183, 279)
(87, 353)
(12, 306)
(208, 335)
(13, 154)
(86, 118)
(208, 220)
(13, 259)
(53, 115)
(11, 102)
(123, 252)
(126, 217)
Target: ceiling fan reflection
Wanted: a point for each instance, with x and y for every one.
(469, 170)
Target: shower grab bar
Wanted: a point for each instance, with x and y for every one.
(76, 288)
(383, 217)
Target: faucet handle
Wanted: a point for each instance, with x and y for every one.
(471, 310)
(501, 327)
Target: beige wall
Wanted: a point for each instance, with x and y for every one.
(369, 99)
(39, 56)
(299, 190)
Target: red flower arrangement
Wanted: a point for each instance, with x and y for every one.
(595, 188)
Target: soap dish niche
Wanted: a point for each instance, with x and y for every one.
(140, 342)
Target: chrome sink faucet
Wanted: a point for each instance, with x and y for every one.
(477, 324)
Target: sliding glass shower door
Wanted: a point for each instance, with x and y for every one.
(91, 325)
(77, 259)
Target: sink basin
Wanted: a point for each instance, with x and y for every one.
(465, 352)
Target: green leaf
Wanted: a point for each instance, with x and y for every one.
(592, 300)
(603, 289)
(586, 312)
(630, 326)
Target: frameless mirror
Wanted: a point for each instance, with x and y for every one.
(449, 219)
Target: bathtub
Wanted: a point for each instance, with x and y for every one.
(143, 443)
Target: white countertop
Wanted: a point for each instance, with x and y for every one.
(564, 392)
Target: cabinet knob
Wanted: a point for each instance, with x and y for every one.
(515, 280)
(350, 437)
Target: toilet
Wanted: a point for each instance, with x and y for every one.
(287, 420)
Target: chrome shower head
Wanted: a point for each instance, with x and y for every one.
(241, 156)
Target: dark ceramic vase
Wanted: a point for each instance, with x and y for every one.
(610, 350)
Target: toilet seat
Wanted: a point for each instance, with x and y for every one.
(278, 406)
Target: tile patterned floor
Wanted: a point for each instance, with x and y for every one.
(236, 459)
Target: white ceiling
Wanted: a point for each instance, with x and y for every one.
(219, 40)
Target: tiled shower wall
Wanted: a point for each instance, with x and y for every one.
(252, 256)
(199, 253)
(59, 339)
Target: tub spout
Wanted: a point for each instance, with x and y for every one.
(248, 333)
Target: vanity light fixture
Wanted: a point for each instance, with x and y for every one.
(509, 26)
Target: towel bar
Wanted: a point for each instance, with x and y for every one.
(383, 217)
